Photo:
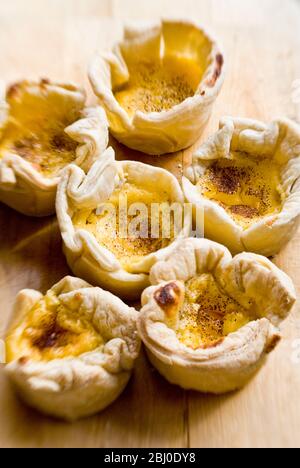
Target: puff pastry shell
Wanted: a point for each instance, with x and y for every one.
(46, 105)
(276, 143)
(227, 364)
(88, 258)
(158, 132)
(75, 387)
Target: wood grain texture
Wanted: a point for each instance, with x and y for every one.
(57, 38)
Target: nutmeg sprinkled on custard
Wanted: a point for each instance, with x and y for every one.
(126, 246)
(247, 188)
(157, 87)
(39, 140)
(208, 314)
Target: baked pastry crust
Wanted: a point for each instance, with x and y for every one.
(159, 130)
(227, 364)
(25, 185)
(76, 386)
(278, 144)
(92, 260)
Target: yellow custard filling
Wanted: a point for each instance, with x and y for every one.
(129, 236)
(157, 87)
(35, 132)
(247, 188)
(208, 314)
(52, 331)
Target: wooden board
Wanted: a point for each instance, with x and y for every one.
(56, 39)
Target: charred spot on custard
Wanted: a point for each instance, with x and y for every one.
(52, 331)
(168, 296)
(53, 336)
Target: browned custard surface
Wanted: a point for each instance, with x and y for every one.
(208, 314)
(126, 246)
(247, 188)
(52, 331)
(35, 132)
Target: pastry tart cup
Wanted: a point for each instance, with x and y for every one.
(159, 84)
(71, 352)
(94, 247)
(208, 320)
(44, 126)
(246, 179)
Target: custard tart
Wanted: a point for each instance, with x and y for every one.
(118, 220)
(71, 352)
(246, 180)
(44, 127)
(158, 85)
(209, 320)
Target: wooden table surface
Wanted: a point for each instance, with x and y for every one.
(56, 39)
